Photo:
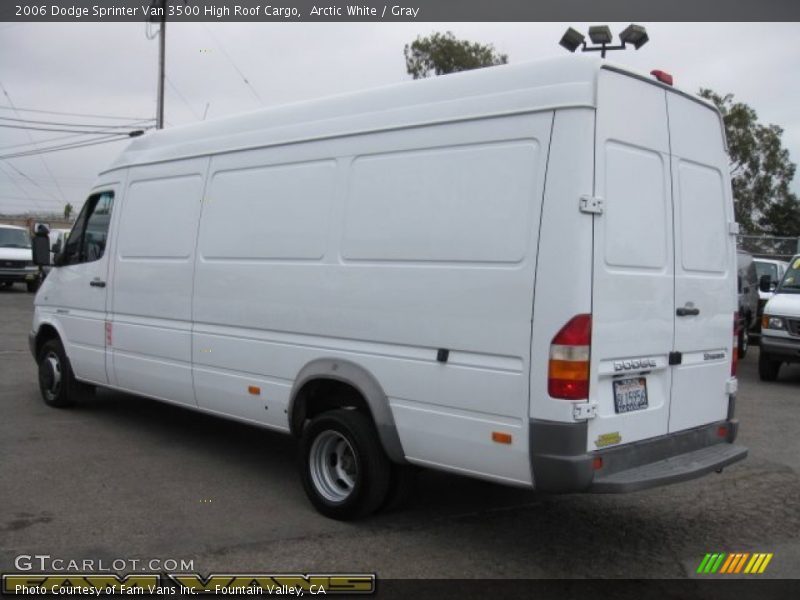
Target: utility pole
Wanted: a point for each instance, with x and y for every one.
(160, 17)
(162, 39)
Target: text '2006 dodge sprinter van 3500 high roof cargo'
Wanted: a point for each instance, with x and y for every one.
(525, 274)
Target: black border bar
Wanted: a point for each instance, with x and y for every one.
(281, 11)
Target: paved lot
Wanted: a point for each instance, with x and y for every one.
(125, 477)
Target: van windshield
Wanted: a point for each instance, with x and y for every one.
(14, 238)
(791, 280)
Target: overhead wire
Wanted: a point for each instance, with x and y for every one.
(44, 162)
(235, 66)
(82, 144)
(68, 124)
(74, 114)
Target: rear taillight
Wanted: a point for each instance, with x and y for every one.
(568, 370)
(735, 351)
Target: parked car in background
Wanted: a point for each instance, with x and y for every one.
(747, 284)
(775, 270)
(16, 259)
(780, 325)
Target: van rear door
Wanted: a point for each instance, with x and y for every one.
(705, 265)
(664, 264)
(633, 303)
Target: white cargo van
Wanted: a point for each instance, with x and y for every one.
(525, 274)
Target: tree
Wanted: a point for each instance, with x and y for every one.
(443, 53)
(67, 211)
(761, 171)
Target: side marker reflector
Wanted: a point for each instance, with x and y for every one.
(501, 438)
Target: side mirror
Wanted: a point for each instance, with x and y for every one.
(41, 250)
(765, 284)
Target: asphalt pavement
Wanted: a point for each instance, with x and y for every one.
(125, 477)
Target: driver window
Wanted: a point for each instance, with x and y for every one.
(87, 241)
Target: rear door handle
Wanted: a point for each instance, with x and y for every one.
(97, 283)
(687, 312)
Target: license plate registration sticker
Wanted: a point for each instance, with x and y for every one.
(630, 394)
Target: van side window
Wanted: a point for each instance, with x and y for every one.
(87, 241)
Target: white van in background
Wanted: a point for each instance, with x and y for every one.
(525, 274)
(780, 324)
(16, 259)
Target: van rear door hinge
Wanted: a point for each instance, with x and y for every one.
(591, 205)
(584, 411)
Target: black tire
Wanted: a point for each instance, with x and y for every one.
(744, 342)
(33, 286)
(344, 469)
(5, 284)
(57, 383)
(768, 368)
(402, 482)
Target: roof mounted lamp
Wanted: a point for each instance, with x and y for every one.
(601, 37)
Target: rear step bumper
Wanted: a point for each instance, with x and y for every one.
(561, 464)
(670, 470)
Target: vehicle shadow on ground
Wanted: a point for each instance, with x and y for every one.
(664, 524)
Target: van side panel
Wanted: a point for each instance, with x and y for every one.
(151, 348)
(564, 265)
(430, 240)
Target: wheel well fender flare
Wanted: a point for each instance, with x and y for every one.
(363, 382)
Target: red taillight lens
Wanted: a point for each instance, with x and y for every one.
(735, 350)
(568, 370)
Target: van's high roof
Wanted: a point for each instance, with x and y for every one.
(562, 82)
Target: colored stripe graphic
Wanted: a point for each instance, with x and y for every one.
(734, 563)
(703, 563)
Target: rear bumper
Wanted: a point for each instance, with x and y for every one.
(561, 464)
(782, 348)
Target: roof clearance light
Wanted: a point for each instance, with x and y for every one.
(662, 76)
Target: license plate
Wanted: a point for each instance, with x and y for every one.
(630, 394)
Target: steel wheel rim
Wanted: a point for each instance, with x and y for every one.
(333, 466)
(50, 375)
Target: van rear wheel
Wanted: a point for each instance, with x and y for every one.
(768, 368)
(57, 383)
(344, 469)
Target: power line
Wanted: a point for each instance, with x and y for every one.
(63, 130)
(30, 137)
(18, 186)
(24, 191)
(185, 101)
(66, 124)
(44, 141)
(72, 114)
(233, 64)
(104, 140)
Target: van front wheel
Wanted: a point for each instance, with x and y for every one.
(57, 384)
(344, 468)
